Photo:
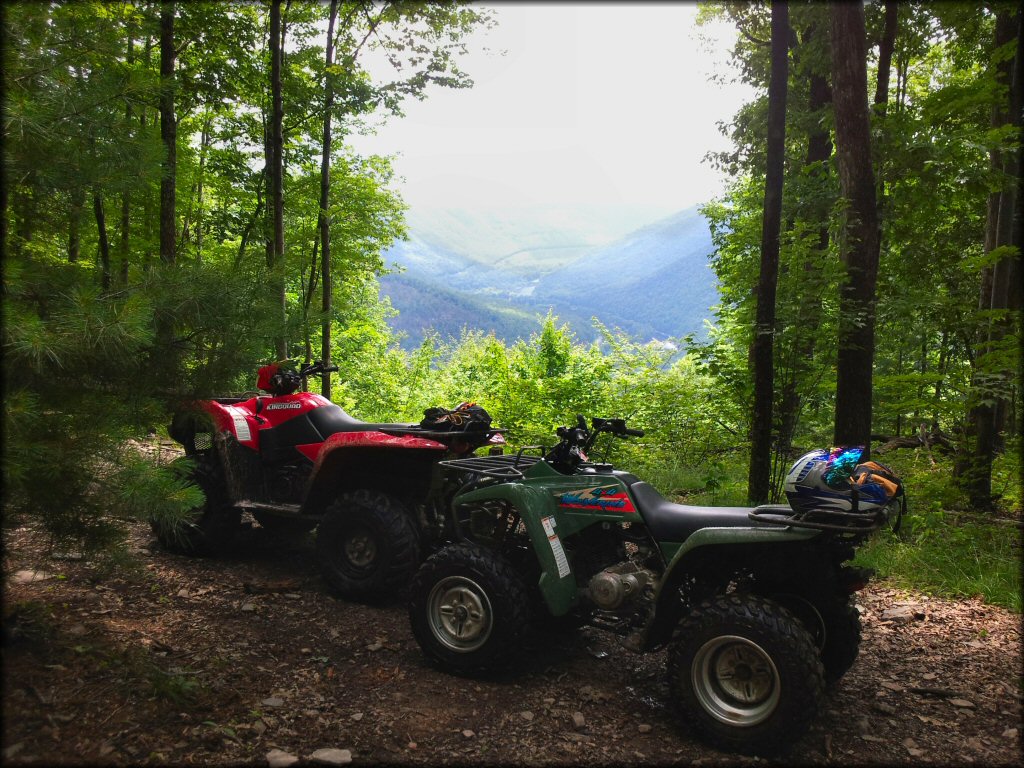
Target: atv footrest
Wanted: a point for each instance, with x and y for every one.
(504, 467)
(818, 519)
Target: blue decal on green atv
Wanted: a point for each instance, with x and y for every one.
(607, 497)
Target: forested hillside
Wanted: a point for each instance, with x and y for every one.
(179, 207)
(448, 283)
(183, 219)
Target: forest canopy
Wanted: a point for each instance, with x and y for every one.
(180, 206)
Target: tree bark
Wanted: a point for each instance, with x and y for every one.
(129, 118)
(999, 294)
(104, 245)
(762, 349)
(859, 239)
(885, 49)
(75, 223)
(277, 275)
(168, 135)
(326, 287)
(204, 147)
(819, 151)
(147, 197)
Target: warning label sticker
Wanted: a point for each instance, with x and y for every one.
(556, 546)
(241, 427)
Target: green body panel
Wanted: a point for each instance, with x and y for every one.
(554, 506)
(673, 552)
(566, 503)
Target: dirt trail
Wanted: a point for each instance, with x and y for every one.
(222, 661)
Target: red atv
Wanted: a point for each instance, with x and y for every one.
(295, 461)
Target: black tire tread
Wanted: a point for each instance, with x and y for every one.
(397, 529)
(513, 608)
(758, 614)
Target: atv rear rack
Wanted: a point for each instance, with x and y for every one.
(818, 519)
(502, 467)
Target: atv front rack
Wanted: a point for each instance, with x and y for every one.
(502, 467)
(819, 519)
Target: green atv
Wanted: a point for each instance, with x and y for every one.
(754, 604)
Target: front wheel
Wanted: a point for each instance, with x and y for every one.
(469, 609)
(367, 545)
(746, 674)
(206, 529)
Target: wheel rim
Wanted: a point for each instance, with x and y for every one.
(360, 548)
(735, 681)
(460, 614)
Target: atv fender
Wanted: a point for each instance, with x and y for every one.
(399, 464)
(706, 553)
(539, 514)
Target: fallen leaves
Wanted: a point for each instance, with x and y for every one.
(290, 671)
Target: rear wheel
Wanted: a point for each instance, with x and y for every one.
(367, 545)
(469, 609)
(834, 625)
(745, 674)
(206, 529)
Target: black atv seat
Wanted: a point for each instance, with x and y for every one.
(668, 521)
(329, 419)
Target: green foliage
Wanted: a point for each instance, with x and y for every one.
(100, 343)
(937, 354)
(952, 559)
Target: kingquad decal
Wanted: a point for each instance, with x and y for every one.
(283, 406)
(608, 498)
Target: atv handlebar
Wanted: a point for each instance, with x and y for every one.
(317, 367)
(576, 441)
(615, 427)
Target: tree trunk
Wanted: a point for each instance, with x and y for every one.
(147, 197)
(168, 134)
(819, 151)
(104, 245)
(859, 234)
(326, 287)
(122, 248)
(762, 349)
(996, 291)
(885, 49)
(75, 223)
(277, 272)
(204, 147)
(129, 118)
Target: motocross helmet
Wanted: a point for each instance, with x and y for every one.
(829, 481)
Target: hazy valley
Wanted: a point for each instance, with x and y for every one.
(500, 270)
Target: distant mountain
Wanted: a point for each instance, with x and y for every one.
(500, 272)
(657, 279)
(525, 238)
(424, 304)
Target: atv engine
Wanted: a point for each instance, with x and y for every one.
(619, 584)
(287, 483)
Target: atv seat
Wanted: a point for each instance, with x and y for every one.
(668, 521)
(330, 419)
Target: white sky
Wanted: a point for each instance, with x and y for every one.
(592, 104)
